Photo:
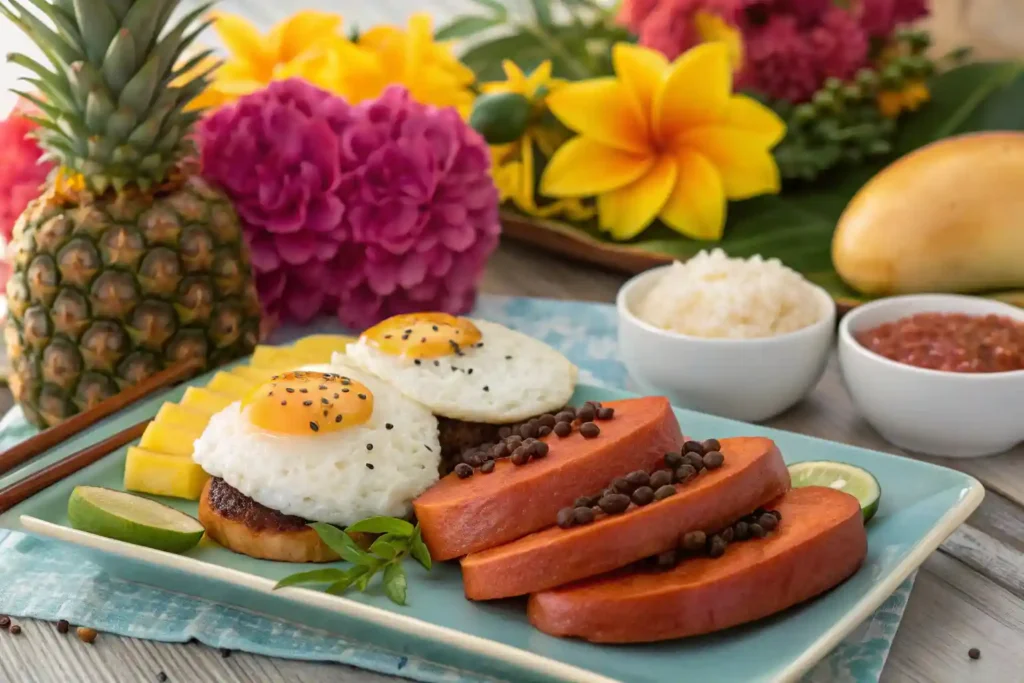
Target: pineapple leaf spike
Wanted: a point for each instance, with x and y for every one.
(117, 97)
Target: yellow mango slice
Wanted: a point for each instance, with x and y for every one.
(320, 347)
(165, 438)
(161, 474)
(205, 401)
(255, 375)
(276, 358)
(231, 385)
(183, 417)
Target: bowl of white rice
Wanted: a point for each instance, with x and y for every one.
(739, 338)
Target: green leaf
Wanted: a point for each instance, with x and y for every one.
(500, 13)
(383, 549)
(395, 584)
(142, 19)
(138, 93)
(364, 579)
(341, 543)
(350, 577)
(383, 525)
(542, 11)
(119, 63)
(314, 576)
(418, 549)
(465, 26)
(98, 26)
(521, 47)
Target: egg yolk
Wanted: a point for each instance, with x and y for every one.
(307, 403)
(422, 335)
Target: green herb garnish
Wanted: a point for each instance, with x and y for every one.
(397, 540)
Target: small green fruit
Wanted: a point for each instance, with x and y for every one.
(500, 118)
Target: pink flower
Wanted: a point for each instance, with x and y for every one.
(633, 13)
(22, 175)
(880, 17)
(840, 45)
(780, 61)
(670, 27)
(806, 12)
(276, 155)
(421, 213)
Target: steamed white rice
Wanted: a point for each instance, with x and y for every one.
(714, 296)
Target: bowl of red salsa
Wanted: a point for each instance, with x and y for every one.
(938, 374)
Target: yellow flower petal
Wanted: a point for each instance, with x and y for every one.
(602, 110)
(301, 31)
(528, 180)
(641, 70)
(712, 27)
(696, 207)
(540, 76)
(626, 212)
(746, 167)
(695, 91)
(750, 115)
(582, 167)
(243, 41)
(514, 81)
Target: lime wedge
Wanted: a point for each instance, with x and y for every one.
(856, 481)
(132, 519)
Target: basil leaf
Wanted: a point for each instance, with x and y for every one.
(349, 577)
(418, 549)
(383, 525)
(315, 576)
(341, 543)
(364, 580)
(395, 584)
(382, 548)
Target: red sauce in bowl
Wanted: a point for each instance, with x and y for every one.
(953, 342)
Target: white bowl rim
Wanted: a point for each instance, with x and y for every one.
(846, 336)
(828, 320)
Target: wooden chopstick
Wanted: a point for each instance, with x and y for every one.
(34, 483)
(46, 439)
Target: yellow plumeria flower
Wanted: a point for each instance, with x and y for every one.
(892, 103)
(513, 163)
(663, 141)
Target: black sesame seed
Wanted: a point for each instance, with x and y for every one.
(423, 340)
(337, 418)
(270, 393)
(486, 388)
(322, 387)
(362, 397)
(303, 391)
(508, 357)
(369, 465)
(337, 396)
(437, 363)
(434, 328)
(418, 362)
(409, 331)
(289, 390)
(314, 426)
(284, 403)
(387, 336)
(324, 401)
(346, 380)
(405, 337)
(325, 413)
(345, 391)
(369, 446)
(470, 371)
(429, 449)
(454, 369)
(388, 425)
(974, 653)
(307, 403)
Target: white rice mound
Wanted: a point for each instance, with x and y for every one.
(325, 478)
(717, 297)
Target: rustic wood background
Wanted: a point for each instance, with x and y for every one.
(968, 594)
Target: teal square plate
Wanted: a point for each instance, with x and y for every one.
(921, 505)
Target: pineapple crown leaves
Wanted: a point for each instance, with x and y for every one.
(113, 99)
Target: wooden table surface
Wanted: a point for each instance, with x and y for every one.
(968, 594)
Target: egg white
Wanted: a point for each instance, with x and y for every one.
(324, 477)
(510, 377)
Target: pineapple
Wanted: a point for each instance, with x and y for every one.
(129, 261)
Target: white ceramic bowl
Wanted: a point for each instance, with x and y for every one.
(744, 379)
(932, 411)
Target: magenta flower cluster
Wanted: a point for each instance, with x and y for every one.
(362, 211)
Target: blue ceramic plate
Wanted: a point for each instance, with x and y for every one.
(921, 505)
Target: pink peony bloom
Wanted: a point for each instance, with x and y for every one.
(421, 213)
(807, 12)
(22, 176)
(840, 45)
(880, 17)
(276, 155)
(670, 27)
(633, 13)
(780, 61)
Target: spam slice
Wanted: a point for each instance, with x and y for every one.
(819, 544)
(753, 474)
(460, 516)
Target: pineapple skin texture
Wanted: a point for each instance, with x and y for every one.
(107, 291)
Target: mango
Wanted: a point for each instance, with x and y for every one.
(181, 416)
(165, 438)
(255, 375)
(205, 401)
(231, 385)
(276, 358)
(948, 217)
(160, 474)
(319, 348)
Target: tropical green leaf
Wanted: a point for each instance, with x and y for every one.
(521, 47)
(349, 577)
(495, 6)
(341, 543)
(418, 549)
(542, 12)
(383, 525)
(383, 549)
(314, 576)
(466, 26)
(395, 584)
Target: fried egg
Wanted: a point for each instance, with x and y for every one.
(326, 443)
(465, 369)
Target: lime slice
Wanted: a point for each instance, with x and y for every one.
(856, 481)
(132, 519)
